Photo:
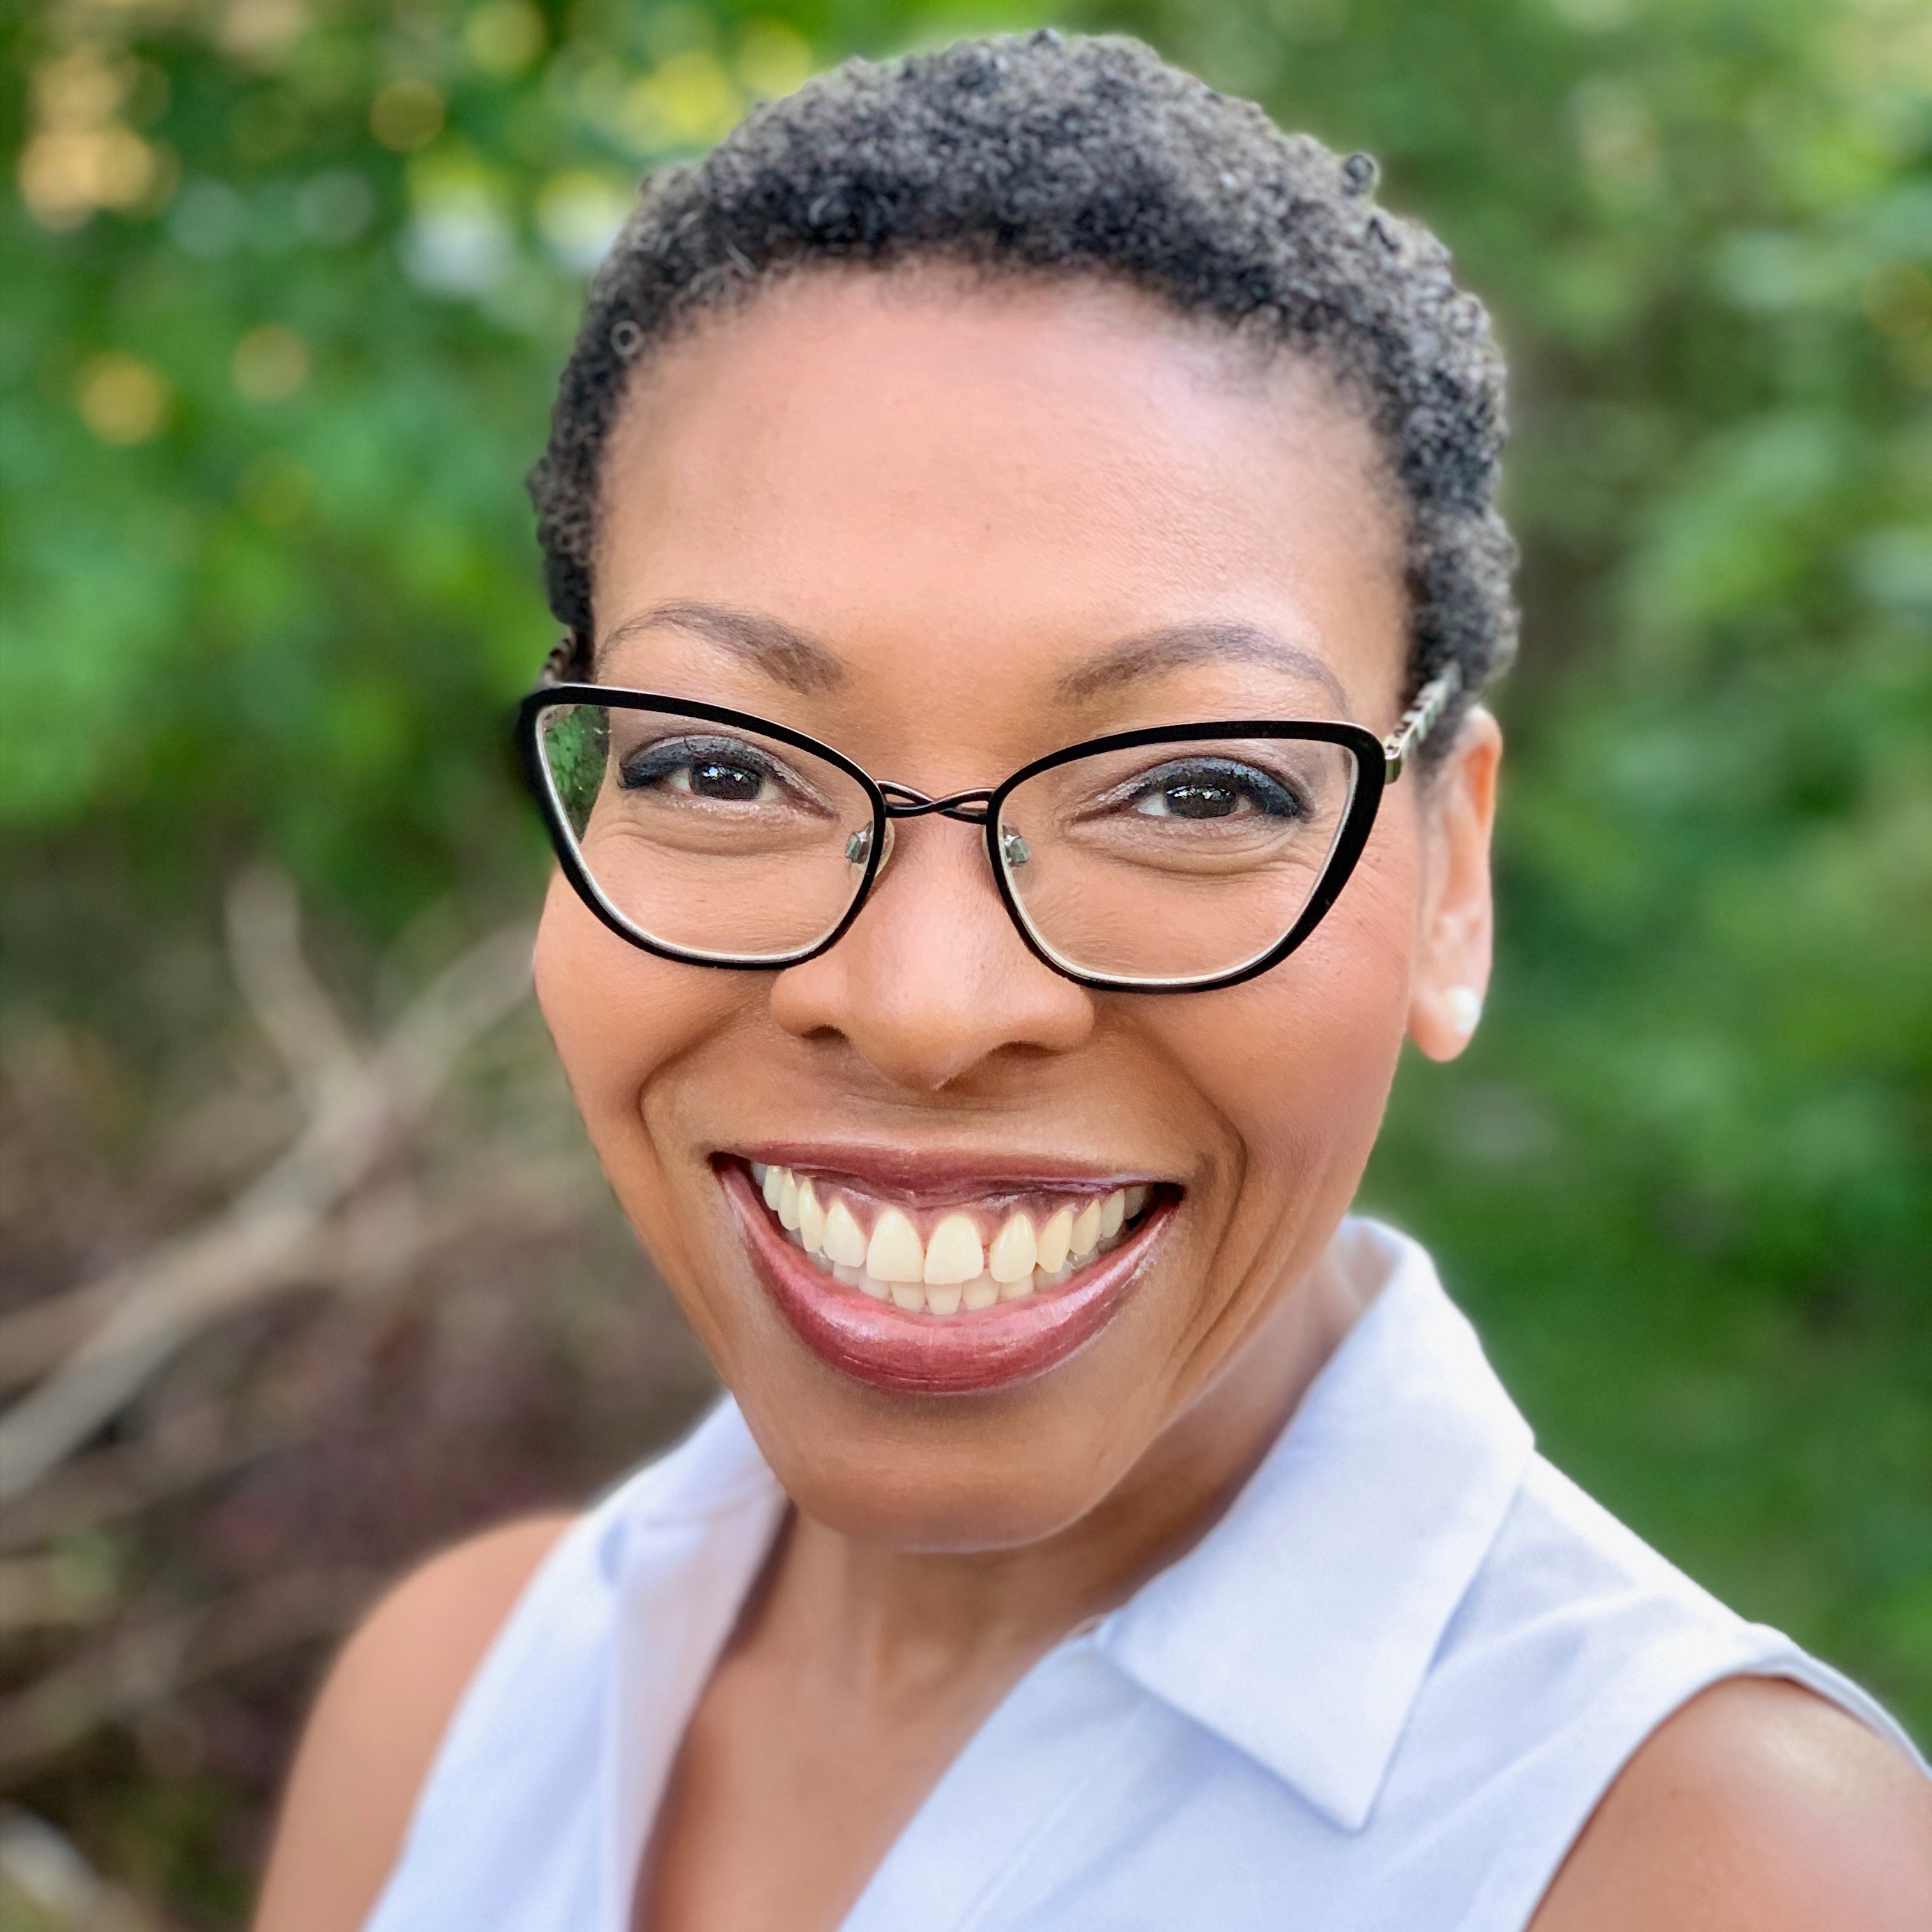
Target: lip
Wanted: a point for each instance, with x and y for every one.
(907, 1354)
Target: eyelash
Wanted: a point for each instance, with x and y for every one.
(650, 763)
(1246, 779)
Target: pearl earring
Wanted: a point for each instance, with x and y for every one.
(1465, 1008)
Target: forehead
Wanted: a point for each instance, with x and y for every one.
(964, 489)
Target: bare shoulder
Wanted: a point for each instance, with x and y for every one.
(377, 1723)
(1757, 1805)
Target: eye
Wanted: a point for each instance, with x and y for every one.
(719, 771)
(713, 778)
(1206, 788)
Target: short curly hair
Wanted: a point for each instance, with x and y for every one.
(1042, 156)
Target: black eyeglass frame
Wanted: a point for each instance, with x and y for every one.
(1378, 763)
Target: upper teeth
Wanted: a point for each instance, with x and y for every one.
(952, 1267)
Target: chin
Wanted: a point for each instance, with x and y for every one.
(1018, 1473)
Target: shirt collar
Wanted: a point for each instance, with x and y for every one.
(1301, 1627)
(681, 1546)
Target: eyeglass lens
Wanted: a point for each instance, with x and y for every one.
(1162, 862)
(708, 839)
(1177, 861)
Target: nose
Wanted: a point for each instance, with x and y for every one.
(931, 981)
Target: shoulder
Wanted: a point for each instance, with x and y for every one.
(378, 1722)
(1757, 1805)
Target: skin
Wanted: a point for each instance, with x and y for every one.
(1059, 468)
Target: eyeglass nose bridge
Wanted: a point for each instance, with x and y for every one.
(968, 808)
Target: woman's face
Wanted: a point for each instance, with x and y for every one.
(947, 530)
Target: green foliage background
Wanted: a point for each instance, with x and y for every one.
(285, 284)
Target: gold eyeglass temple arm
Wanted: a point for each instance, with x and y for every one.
(1418, 721)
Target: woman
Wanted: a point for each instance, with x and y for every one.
(1102, 1530)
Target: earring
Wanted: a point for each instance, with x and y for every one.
(1465, 1008)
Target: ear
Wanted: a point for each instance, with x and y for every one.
(1455, 917)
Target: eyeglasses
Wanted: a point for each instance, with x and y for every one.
(1175, 859)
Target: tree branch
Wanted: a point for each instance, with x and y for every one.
(268, 1238)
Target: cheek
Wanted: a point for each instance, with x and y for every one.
(620, 1017)
(1298, 1063)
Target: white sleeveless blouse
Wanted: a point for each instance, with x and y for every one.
(1385, 1692)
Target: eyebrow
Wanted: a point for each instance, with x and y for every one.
(802, 663)
(785, 654)
(1152, 653)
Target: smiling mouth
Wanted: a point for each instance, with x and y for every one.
(968, 1258)
(971, 1294)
